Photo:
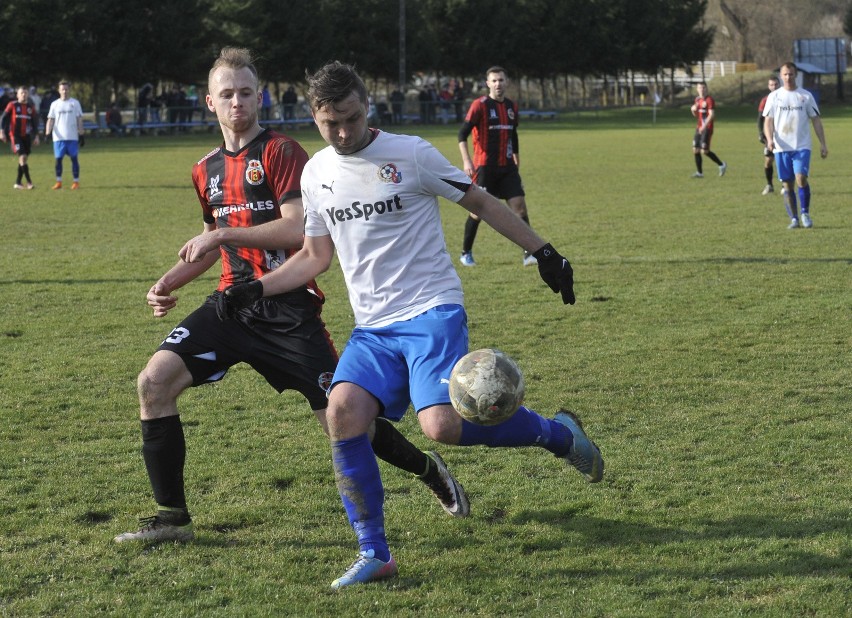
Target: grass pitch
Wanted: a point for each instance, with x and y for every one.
(708, 354)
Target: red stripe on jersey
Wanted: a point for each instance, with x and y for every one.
(23, 118)
(494, 124)
(244, 189)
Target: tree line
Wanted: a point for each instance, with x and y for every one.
(117, 44)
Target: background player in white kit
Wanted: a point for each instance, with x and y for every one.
(788, 135)
(373, 196)
(65, 124)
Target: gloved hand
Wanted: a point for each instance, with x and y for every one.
(238, 297)
(556, 272)
(82, 141)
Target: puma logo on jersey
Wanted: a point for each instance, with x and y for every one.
(329, 187)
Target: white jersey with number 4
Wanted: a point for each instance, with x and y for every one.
(65, 114)
(791, 111)
(380, 207)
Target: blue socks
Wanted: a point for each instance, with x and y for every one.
(360, 486)
(805, 198)
(524, 428)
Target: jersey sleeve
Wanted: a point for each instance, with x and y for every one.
(437, 175)
(286, 161)
(199, 186)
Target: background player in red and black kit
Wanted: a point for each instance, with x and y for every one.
(704, 108)
(20, 126)
(250, 195)
(768, 156)
(493, 120)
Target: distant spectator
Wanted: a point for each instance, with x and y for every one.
(35, 97)
(144, 102)
(265, 103)
(458, 101)
(44, 107)
(397, 101)
(114, 122)
(288, 102)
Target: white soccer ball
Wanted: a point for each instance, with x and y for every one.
(486, 386)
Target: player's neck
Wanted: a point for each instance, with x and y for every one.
(235, 141)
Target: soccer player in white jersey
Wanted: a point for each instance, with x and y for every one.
(788, 136)
(373, 196)
(65, 123)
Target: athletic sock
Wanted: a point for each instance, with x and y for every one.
(698, 162)
(470, 228)
(174, 516)
(20, 174)
(768, 172)
(164, 452)
(524, 428)
(805, 198)
(360, 486)
(714, 158)
(391, 446)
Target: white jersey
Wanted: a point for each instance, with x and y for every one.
(791, 111)
(380, 206)
(65, 114)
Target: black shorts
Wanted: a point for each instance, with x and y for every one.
(281, 337)
(501, 182)
(701, 139)
(21, 144)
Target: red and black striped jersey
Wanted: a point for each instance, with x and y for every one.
(704, 105)
(244, 189)
(22, 119)
(495, 131)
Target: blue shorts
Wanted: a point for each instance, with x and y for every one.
(407, 362)
(792, 163)
(66, 147)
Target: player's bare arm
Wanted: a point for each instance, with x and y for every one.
(284, 233)
(769, 133)
(820, 133)
(311, 260)
(502, 219)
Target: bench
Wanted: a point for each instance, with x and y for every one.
(137, 128)
(533, 114)
(295, 123)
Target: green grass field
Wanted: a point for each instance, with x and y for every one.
(708, 355)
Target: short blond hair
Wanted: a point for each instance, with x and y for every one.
(234, 58)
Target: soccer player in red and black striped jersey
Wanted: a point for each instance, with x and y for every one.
(704, 109)
(251, 201)
(493, 120)
(19, 124)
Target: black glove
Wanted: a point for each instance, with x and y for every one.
(82, 141)
(556, 272)
(238, 297)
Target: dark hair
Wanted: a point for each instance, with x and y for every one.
(790, 65)
(496, 69)
(233, 58)
(774, 78)
(333, 83)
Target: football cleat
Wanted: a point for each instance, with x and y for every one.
(583, 453)
(367, 568)
(529, 260)
(17, 186)
(30, 186)
(449, 491)
(155, 529)
(723, 168)
(794, 223)
(58, 185)
(698, 175)
(467, 259)
(806, 220)
(767, 190)
(75, 185)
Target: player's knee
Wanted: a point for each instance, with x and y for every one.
(441, 424)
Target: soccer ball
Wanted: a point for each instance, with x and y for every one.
(486, 386)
